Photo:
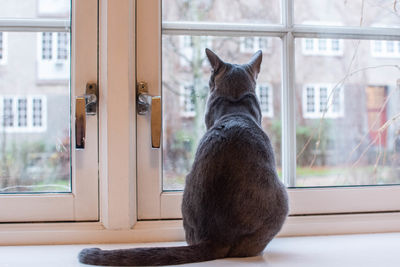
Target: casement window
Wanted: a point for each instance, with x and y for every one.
(251, 44)
(316, 172)
(3, 48)
(44, 177)
(385, 49)
(322, 100)
(23, 114)
(53, 56)
(322, 47)
(264, 93)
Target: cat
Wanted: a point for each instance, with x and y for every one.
(233, 202)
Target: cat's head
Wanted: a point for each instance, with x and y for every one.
(233, 80)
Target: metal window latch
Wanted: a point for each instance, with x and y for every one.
(84, 105)
(143, 107)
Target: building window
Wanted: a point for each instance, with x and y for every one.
(322, 100)
(23, 113)
(8, 114)
(382, 48)
(264, 94)
(322, 47)
(253, 44)
(54, 56)
(3, 48)
(187, 44)
(187, 101)
(62, 45)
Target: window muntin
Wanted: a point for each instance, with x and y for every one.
(322, 100)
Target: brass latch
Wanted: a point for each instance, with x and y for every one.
(84, 105)
(143, 107)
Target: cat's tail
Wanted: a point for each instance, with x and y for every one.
(153, 256)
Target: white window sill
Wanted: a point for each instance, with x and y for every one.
(345, 250)
(172, 230)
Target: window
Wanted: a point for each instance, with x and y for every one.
(24, 113)
(186, 46)
(264, 93)
(43, 176)
(322, 100)
(53, 58)
(324, 149)
(322, 47)
(253, 44)
(385, 49)
(3, 48)
(187, 100)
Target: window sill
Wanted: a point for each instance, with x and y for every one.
(350, 250)
(171, 230)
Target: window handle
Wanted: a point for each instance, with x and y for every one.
(143, 107)
(85, 105)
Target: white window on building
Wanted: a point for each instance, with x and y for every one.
(322, 47)
(3, 48)
(322, 100)
(23, 113)
(187, 101)
(253, 44)
(53, 56)
(264, 94)
(186, 45)
(383, 48)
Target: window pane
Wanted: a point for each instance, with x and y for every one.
(185, 75)
(348, 117)
(239, 11)
(35, 113)
(347, 13)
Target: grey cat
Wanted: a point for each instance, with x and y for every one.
(233, 202)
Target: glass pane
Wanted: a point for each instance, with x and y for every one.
(11, 9)
(348, 106)
(239, 11)
(35, 102)
(348, 13)
(185, 75)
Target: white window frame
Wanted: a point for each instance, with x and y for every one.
(317, 113)
(270, 112)
(3, 60)
(119, 183)
(81, 204)
(187, 50)
(29, 128)
(153, 203)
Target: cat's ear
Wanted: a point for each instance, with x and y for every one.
(214, 60)
(255, 63)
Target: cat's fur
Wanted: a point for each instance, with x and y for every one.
(233, 202)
